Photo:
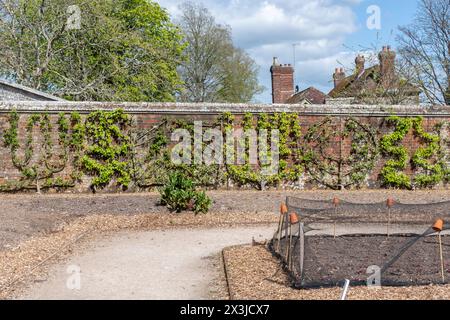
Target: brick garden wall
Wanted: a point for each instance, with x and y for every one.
(148, 115)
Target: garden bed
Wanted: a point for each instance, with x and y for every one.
(254, 274)
(328, 261)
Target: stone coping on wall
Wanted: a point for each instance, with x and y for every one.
(218, 108)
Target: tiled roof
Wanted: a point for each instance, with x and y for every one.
(369, 79)
(354, 82)
(312, 95)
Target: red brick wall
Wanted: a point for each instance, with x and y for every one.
(148, 115)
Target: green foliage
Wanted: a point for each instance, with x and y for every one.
(289, 134)
(392, 174)
(76, 143)
(202, 174)
(10, 137)
(47, 161)
(108, 148)
(240, 79)
(179, 194)
(124, 50)
(202, 203)
(426, 158)
(56, 152)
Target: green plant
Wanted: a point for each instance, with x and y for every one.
(202, 202)
(427, 159)
(392, 174)
(40, 159)
(179, 194)
(288, 126)
(108, 149)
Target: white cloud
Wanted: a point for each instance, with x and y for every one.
(268, 28)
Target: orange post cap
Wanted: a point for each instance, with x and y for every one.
(438, 225)
(283, 209)
(390, 202)
(293, 218)
(336, 201)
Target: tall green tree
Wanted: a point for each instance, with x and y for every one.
(215, 70)
(123, 50)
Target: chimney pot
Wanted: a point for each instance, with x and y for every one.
(338, 76)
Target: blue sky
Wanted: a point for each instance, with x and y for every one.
(329, 33)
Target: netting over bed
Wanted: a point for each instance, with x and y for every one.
(326, 211)
(326, 260)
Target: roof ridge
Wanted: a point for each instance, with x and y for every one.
(30, 90)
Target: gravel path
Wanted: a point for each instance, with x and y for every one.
(171, 264)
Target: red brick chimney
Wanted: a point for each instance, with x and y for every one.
(387, 67)
(360, 62)
(282, 81)
(338, 76)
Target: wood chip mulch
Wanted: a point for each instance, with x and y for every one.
(20, 264)
(254, 274)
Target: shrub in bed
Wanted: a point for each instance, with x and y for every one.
(180, 194)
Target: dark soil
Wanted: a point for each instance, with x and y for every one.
(328, 261)
(25, 215)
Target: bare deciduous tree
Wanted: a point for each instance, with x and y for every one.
(424, 47)
(215, 70)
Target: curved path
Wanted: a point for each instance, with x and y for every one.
(170, 264)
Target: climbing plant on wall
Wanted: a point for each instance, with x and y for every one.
(426, 161)
(37, 163)
(350, 166)
(444, 129)
(289, 139)
(149, 156)
(108, 147)
(203, 173)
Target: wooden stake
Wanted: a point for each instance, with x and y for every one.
(288, 248)
(302, 247)
(280, 226)
(388, 222)
(441, 257)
